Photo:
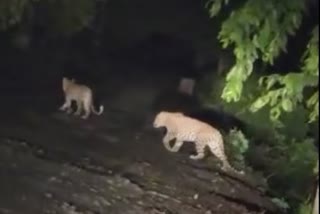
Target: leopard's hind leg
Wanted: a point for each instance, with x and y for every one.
(218, 151)
(79, 108)
(200, 149)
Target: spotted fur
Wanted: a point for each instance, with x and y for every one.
(184, 128)
(82, 95)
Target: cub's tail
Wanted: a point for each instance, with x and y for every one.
(101, 108)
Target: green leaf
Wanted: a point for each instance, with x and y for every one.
(287, 105)
(275, 96)
(259, 103)
(231, 91)
(275, 113)
(313, 99)
(215, 8)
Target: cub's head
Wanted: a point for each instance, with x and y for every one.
(161, 118)
(66, 83)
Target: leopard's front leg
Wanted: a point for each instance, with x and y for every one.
(166, 140)
(176, 147)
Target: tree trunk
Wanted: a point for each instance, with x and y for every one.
(316, 202)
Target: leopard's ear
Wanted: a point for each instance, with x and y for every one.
(66, 79)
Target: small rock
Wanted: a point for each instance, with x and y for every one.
(137, 137)
(48, 195)
(52, 179)
(196, 196)
(40, 152)
(24, 144)
(93, 190)
(140, 203)
(96, 203)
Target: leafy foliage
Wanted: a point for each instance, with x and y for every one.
(281, 203)
(61, 16)
(285, 92)
(215, 6)
(12, 11)
(295, 162)
(259, 30)
(305, 208)
(238, 144)
(70, 16)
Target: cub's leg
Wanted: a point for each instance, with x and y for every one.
(166, 140)
(200, 149)
(79, 108)
(66, 105)
(86, 105)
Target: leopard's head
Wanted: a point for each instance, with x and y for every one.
(66, 83)
(161, 118)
